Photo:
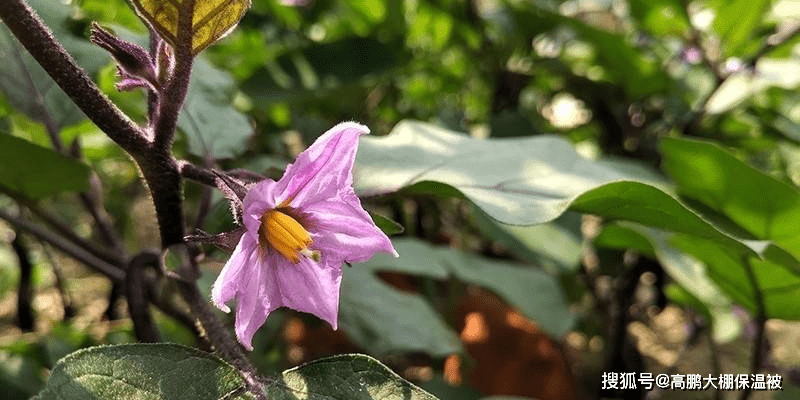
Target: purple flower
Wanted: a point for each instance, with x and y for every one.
(299, 232)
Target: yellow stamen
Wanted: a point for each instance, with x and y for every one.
(285, 235)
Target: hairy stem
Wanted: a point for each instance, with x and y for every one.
(174, 93)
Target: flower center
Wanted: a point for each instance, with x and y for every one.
(284, 234)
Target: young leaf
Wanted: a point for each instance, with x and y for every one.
(143, 371)
(344, 377)
(211, 19)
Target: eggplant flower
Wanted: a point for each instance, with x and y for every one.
(299, 232)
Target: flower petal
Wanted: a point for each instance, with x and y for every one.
(324, 167)
(250, 310)
(343, 231)
(263, 196)
(227, 285)
(306, 286)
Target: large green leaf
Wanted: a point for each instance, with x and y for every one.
(27, 86)
(143, 371)
(535, 293)
(36, 171)
(213, 127)
(523, 181)
(765, 207)
(344, 377)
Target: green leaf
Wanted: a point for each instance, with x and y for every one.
(388, 226)
(779, 286)
(553, 245)
(344, 377)
(20, 376)
(27, 86)
(660, 17)
(143, 371)
(535, 293)
(736, 21)
(384, 320)
(213, 127)
(767, 208)
(522, 181)
(211, 19)
(36, 171)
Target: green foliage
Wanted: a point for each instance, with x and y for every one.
(27, 86)
(534, 293)
(344, 377)
(213, 126)
(50, 174)
(143, 371)
(172, 372)
(703, 91)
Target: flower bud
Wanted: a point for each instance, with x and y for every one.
(135, 65)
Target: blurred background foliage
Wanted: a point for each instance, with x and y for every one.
(677, 270)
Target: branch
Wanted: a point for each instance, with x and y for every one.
(40, 43)
(136, 293)
(171, 101)
(112, 271)
(197, 174)
(25, 288)
(64, 230)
